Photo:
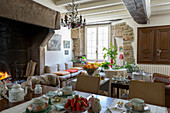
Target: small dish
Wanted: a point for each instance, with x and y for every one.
(56, 99)
(128, 106)
(59, 106)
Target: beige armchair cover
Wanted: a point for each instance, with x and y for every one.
(151, 93)
(89, 84)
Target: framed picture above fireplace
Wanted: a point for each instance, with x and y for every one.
(55, 43)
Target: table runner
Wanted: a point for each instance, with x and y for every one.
(154, 108)
(22, 107)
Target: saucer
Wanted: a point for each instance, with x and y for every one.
(128, 106)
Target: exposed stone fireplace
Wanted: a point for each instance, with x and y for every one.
(25, 29)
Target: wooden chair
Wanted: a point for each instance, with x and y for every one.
(151, 93)
(89, 84)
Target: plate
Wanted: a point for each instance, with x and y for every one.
(128, 105)
(44, 110)
(65, 96)
(59, 106)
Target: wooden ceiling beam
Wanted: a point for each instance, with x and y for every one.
(114, 14)
(99, 4)
(159, 2)
(66, 2)
(161, 8)
(104, 10)
(137, 10)
(109, 17)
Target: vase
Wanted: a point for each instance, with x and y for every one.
(111, 62)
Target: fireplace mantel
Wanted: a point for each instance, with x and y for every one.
(28, 11)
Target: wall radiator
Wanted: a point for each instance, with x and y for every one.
(163, 69)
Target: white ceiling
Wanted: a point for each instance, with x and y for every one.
(102, 10)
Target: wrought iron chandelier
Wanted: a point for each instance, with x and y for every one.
(71, 18)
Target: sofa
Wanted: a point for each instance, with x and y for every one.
(65, 71)
(161, 78)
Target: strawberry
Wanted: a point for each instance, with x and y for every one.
(74, 108)
(78, 106)
(73, 101)
(84, 103)
(82, 108)
(69, 108)
(69, 100)
(78, 99)
(88, 104)
(66, 105)
(76, 96)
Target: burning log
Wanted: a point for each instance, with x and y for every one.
(4, 75)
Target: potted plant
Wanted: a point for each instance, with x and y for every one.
(131, 67)
(105, 65)
(111, 52)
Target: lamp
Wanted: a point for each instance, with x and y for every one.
(71, 19)
(121, 56)
(121, 59)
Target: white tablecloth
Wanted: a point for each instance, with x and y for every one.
(154, 108)
(22, 107)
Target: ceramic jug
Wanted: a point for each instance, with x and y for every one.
(16, 94)
(96, 107)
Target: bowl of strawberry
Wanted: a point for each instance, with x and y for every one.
(77, 104)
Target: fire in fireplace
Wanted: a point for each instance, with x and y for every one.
(4, 75)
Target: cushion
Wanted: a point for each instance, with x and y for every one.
(68, 65)
(61, 73)
(61, 67)
(51, 68)
(76, 68)
(47, 69)
(160, 75)
(162, 80)
(71, 71)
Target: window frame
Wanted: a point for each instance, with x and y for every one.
(109, 39)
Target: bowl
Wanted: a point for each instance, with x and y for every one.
(90, 71)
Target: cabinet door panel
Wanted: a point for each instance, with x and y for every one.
(162, 45)
(145, 45)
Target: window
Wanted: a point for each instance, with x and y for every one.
(97, 37)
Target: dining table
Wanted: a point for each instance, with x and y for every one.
(107, 103)
(20, 107)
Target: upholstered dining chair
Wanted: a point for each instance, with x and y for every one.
(89, 84)
(151, 93)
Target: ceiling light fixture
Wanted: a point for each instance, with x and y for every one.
(71, 18)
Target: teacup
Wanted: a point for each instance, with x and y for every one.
(38, 104)
(137, 104)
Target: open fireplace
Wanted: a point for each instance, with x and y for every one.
(25, 29)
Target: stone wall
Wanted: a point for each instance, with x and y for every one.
(124, 32)
(78, 37)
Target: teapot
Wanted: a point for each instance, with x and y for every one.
(16, 94)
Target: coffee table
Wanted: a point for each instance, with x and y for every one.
(118, 86)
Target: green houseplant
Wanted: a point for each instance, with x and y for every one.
(131, 67)
(111, 52)
(105, 65)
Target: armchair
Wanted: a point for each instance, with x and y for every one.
(161, 78)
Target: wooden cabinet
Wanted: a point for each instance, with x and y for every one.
(154, 45)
